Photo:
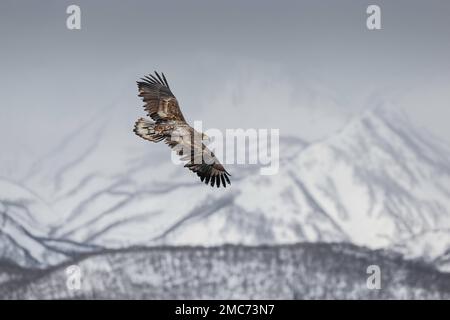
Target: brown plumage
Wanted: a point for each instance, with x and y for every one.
(169, 125)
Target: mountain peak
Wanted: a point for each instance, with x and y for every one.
(377, 182)
(389, 128)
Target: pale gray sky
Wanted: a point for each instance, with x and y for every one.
(302, 66)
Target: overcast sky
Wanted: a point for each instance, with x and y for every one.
(302, 66)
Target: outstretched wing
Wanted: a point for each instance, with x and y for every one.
(160, 103)
(200, 160)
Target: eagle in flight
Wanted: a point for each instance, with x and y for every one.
(169, 125)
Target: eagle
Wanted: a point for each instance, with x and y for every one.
(169, 125)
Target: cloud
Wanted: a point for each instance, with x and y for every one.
(257, 95)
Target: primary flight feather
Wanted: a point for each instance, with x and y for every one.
(169, 125)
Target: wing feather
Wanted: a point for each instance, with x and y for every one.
(200, 160)
(160, 103)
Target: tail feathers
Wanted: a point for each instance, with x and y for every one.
(146, 130)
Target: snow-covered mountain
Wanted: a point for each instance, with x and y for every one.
(379, 182)
(298, 271)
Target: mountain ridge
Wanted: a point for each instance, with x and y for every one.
(376, 183)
